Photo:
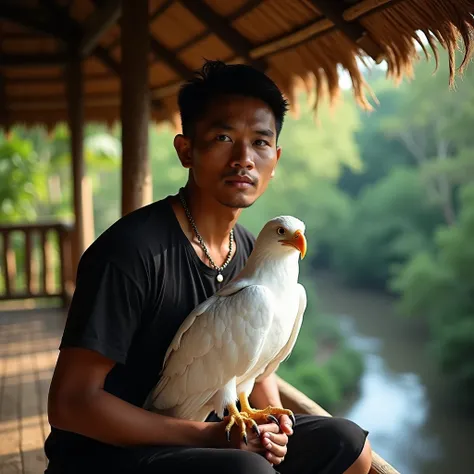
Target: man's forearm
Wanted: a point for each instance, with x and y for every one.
(266, 393)
(111, 420)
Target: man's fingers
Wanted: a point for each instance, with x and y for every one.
(277, 438)
(273, 459)
(276, 450)
(269, 428)
(286, 424)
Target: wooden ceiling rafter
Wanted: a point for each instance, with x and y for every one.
(170, 58)
(62, 16)
(33, 19)
(334, 11)
(33, 60)
(221, 27)
(97, 23)
(3, 93)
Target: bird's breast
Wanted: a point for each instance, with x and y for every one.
(286, 310)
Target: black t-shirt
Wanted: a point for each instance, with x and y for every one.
(135, 285)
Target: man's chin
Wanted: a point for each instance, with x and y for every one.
(238, 202)
(238, 199)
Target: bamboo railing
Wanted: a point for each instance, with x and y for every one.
(43, 250)
(55, 263)
(298, 402)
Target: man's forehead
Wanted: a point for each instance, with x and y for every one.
(231, 111)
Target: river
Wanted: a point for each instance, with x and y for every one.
(403, 401)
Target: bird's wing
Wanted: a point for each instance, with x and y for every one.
(221, 339)
(286, 350)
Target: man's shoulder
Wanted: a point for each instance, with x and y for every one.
(136, 234)
(244, 237)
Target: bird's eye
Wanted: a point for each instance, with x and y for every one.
(280, 231)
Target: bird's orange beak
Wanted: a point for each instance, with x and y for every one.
(298, 242)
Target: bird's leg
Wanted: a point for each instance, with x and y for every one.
(241, 419)
(268, 414)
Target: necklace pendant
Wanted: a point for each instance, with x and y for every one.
(219, 278)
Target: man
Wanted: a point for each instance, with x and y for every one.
(142, 277)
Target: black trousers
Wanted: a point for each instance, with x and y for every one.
(318, 445)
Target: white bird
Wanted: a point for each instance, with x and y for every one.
(240, 334)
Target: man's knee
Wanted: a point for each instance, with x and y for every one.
(352, 439)
(363, 463)
(244, 462)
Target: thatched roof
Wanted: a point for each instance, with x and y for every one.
(289, 39)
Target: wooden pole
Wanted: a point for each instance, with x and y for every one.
(135, 105)
(75, 98)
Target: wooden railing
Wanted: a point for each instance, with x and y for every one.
(36, 261)
(297, 401)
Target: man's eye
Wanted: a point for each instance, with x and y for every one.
(261, 143)
(223, 138)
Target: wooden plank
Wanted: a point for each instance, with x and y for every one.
(26, 366)
(10, 455)
(28, 262)
(9, 265)
(31, 434)
(47, 255)
(26, 296)
(50, 346)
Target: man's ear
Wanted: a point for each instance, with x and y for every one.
(278, 154)
(182, 146)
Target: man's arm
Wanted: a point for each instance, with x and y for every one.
(78, 403)
(265, 392)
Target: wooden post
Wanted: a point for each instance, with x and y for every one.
(135, 105)
(75, 99)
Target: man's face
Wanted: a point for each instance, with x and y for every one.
(233, 153)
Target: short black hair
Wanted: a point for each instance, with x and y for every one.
(216, 79)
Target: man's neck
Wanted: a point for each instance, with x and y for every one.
(213, 221)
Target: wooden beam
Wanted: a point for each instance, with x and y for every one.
(4, 122)
(222, 28)
(61, 16)
(33, 60)
(75, 100)
(97, 23)
(160, 10)
(34, 19)
(170, 58)
(135, 106)
(334, 10)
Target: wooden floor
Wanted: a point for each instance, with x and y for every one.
(28, 352)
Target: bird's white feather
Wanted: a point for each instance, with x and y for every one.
(214, 345)
(237, 336)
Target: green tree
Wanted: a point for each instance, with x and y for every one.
(439, 284)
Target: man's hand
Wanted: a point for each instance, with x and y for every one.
(275, 443)
(286, 424)
(271, 443)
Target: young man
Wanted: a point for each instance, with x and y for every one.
(142, 277)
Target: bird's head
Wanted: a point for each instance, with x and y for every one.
(284, 234)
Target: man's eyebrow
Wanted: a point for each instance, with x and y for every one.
(265, 132)
(220, 124)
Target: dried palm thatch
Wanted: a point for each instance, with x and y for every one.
(297, 42)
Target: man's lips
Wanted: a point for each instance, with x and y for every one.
(240, 180)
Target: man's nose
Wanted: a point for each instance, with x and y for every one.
(242, 156)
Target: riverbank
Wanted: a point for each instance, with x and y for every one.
(414, 420)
